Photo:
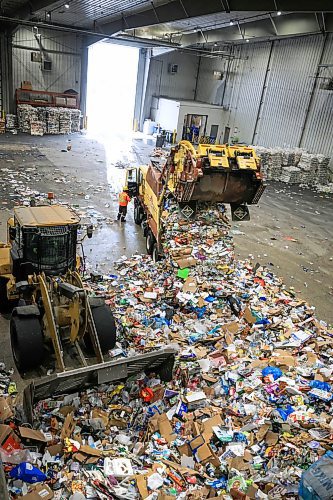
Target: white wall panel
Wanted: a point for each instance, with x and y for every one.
(62, 49)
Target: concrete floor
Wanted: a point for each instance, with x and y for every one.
(290, 230)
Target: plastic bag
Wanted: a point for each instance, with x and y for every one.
(272, 370)
(317, 482)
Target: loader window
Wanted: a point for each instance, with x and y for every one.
(51, 249)
(217, 153)
(244, 154)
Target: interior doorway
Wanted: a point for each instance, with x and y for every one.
(194, 127)
(112, 77)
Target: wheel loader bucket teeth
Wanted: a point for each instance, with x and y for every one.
(75, 380)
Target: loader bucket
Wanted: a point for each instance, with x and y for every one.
(228, 187)
(80, 378)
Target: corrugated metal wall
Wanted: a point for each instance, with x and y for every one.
(162, 83)
(62, 49)
(318, 133)
(272, 101)
(247, 80)
(208, 88)
(294, 62)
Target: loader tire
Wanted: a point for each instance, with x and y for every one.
(155, 255)
(4, 302)
(105, 327)
(137, 215)
(27, 342)
(150, 240)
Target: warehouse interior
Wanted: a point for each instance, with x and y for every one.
(166, 255)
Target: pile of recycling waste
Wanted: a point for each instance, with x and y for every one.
(245, 412)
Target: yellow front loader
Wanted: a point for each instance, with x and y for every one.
(39, 276)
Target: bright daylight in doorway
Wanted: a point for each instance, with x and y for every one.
(112, 76)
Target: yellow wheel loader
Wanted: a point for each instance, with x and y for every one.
(39, 276)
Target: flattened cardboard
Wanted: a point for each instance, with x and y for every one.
(190, 285)
(9, 441)
(5, 409)
(207, 426)
(68, 427)
(55, 449)
(27, 433)
(39, 492)
(271, 438)
(88, 450)
(141, 482)
(165, 428)
(248, 316)
(261, 433)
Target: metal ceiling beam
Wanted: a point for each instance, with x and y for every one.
(174, 11)
(29, 8)
(283, 26)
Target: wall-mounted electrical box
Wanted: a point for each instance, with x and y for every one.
(47, 65)
(173, 69)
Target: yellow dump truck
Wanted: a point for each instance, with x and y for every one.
(211, 173)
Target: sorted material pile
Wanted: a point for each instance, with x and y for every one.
(48, 120)
(294, 166)
(291, 175)
(11, 122)
(248, 408)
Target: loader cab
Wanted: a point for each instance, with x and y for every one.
(43, 240)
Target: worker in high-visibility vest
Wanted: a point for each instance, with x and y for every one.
(124, 200)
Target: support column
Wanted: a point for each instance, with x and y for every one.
(84, 76)
(262, 96)
(313, 90)
(7, 90)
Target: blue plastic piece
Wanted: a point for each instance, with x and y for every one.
(324, 386)
(28, 473)
(272, 370)
(285, 412)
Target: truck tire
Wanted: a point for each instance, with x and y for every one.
(27, 342)
(155, 256)
(137, 215)
(105, 327)
(150, 240)
(4, 302)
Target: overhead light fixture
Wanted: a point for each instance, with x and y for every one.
(66, 5)
(215, 44)
(48, 15)
(247, 40)
(279, 13)
(231, 23)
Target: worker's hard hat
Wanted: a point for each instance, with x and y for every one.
(125, 188)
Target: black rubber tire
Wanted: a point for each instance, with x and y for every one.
(106, 329)
(27, 342)
(150, 241)
(4, 302)
(137, 215)
(154, 255)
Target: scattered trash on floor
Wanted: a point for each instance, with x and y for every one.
(245, 413)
